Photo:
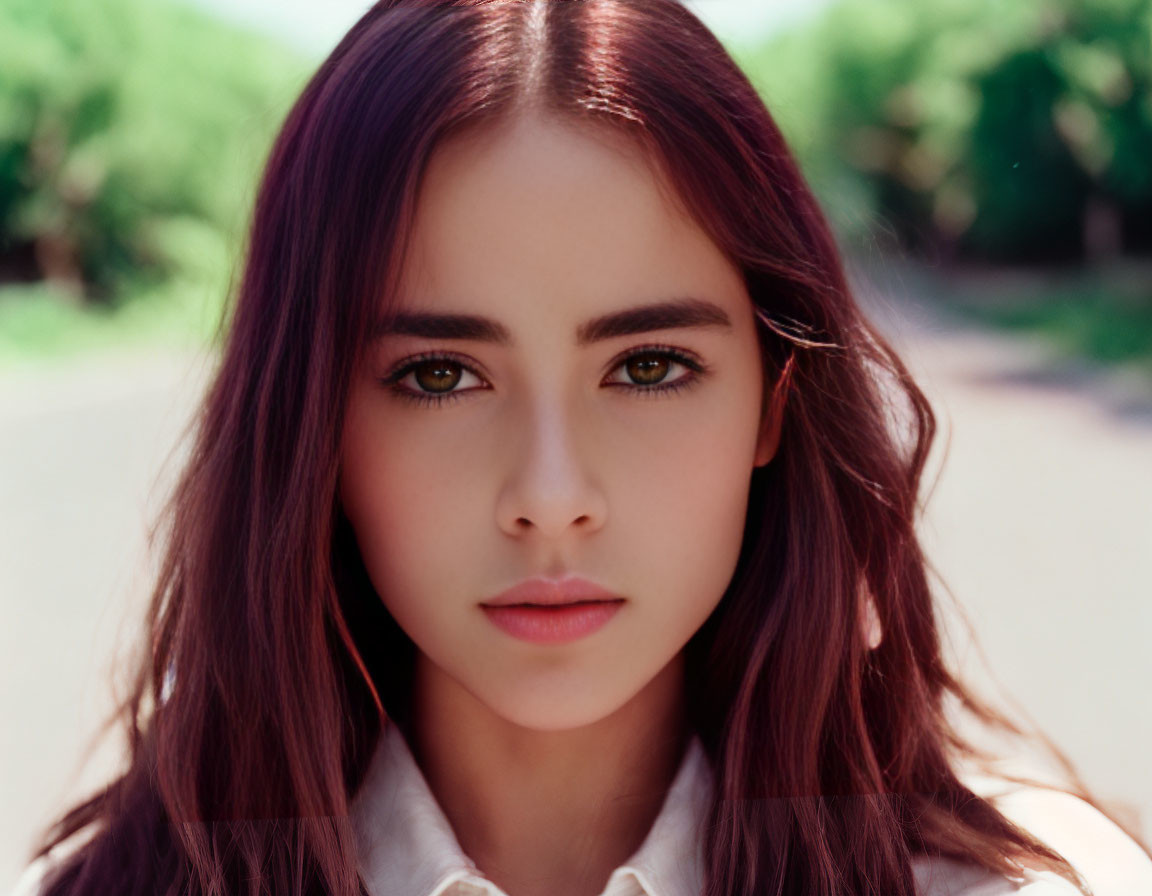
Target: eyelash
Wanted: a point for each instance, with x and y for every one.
(697, 370)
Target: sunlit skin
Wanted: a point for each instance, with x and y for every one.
(542, 463)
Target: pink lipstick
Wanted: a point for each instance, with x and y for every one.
(552, 611)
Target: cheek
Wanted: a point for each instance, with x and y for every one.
(695, 469)
(404, 510)
(686, 509)
(709, 502)
(416, 531)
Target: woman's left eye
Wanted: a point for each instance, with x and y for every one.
(435, 376)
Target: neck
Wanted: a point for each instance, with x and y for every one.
(549, 811)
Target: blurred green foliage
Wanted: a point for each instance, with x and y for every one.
(1093, 314)
(975, 129)
(131, 138)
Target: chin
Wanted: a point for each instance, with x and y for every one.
(547, 710)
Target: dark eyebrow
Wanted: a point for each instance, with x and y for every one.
(668, 315)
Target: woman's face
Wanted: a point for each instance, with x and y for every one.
(551, 452)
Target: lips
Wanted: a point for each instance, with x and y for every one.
(556, 624)
(543, 592)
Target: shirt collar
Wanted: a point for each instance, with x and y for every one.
(407, 847)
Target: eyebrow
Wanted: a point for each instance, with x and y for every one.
(669, 315)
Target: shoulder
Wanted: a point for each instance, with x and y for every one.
(1111, 862)
(35, 874)
(947, 877)
(30, 881)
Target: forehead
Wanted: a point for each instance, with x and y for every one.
(546, 212)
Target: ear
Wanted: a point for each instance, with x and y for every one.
(872, 631)
(772, 415)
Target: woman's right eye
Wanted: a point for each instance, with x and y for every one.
(433, 379)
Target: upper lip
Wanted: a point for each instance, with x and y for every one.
(550, 592)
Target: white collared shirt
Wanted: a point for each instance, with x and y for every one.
(408, 848)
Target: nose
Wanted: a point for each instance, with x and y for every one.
(551, 483)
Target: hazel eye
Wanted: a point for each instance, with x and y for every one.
(648, 368)
(433, 379)
(437, 376)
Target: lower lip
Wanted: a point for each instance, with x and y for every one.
(553, 625)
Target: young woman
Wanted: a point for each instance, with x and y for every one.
(550, 527)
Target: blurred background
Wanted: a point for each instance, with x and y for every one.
(986, 166)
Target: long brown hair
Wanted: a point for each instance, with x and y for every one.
(272, 665)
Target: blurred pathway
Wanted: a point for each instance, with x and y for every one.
(1041, 524)
(81, 451)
